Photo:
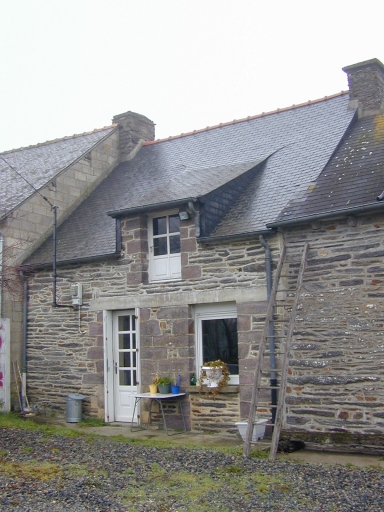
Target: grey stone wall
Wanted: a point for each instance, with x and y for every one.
(31, 223)
(336, 375)
(335, 381)
(66, 356)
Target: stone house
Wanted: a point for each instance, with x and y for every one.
(58, 173)
(169, 255)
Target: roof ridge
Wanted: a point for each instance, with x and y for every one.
(67, 137)
(249, 118)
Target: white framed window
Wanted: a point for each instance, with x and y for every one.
(164, 247)
(216, 337)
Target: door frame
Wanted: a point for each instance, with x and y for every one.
(109, 390)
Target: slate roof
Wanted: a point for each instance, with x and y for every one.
(40, 164)
(352, 179)
(285, 150)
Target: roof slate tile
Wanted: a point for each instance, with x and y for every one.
(290, 148)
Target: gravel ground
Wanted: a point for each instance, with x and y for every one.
(56, 473)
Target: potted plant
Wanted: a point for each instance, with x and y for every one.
(164, 384)
(175, 388)
(153, 385)
(214, 375)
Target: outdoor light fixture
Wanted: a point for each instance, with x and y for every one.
(183, 215)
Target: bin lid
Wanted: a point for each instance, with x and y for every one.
(76, 396)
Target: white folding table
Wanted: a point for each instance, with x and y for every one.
(159, 398)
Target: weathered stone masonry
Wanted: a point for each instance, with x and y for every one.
(234, 272)
(336, 376)
(25, 228)
(336, 370)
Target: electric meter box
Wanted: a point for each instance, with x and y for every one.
(77, 294)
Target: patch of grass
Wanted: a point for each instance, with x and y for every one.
(166, 488)
(381, 458)
(11, 420)
(33, 470)
(92, 422)
(27, 449)
(229, 469)
(76, 470)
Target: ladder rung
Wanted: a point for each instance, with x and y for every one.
(289, 299)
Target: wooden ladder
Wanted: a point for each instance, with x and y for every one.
(290, 303)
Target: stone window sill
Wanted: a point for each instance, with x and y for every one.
(223, 391)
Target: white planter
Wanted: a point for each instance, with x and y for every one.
(214, 374)
(258, 429)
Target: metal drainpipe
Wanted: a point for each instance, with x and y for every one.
(272, 358)
(197, 218)
(24, 340)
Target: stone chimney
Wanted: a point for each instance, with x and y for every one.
(366, 87)
(134, 130)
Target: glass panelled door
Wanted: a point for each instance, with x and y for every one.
(125, 364)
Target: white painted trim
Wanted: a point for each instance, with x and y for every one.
(108, 367)
(211, 312)
(168, 257)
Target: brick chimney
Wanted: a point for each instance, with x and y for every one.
(366, 87)
(134, 128)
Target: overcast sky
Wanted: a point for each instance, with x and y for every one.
(68, 66)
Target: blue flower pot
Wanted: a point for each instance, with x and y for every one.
(175, 389)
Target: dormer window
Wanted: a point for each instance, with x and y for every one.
(164, 247)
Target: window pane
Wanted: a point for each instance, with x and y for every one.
(160, 226)
(220, 342)
(125, 359)
(174, 243)
(124, 341)
(124, 323)
(125, 378)
(174, 224)
(160, 246)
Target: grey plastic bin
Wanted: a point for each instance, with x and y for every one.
(74, 407)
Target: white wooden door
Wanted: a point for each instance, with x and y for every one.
(125, 364)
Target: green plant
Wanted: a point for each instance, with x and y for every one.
(165, 380)
(92, 422)
(223, 382)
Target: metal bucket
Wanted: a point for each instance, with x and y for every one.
(74, 407)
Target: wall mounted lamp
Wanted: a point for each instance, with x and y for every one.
(183, 215)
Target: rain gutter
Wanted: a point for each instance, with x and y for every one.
(237, 236)
(41, 266)
(151, 207)
(326, 215)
